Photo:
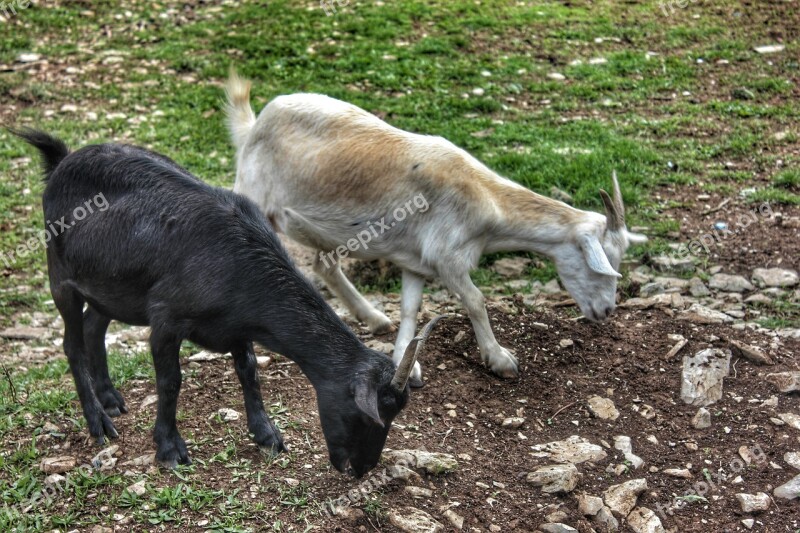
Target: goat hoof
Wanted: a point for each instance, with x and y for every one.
(415, 383)
(380, 325)
(102, 427)
(172, 451)
(505, 364)
(112, 401)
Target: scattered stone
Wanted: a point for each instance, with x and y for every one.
(54, 479)
(206, 356)
(105, 459)
(623, 444)
(348, 513)
(555, 478)
(700, 314)
(621, 499)
(454, 518)
(775, 277)
(702, 419)
(751, 353)
(460, 337)
(227, 415)
(790, 419)
(666, 263)
(702, 377)
(603, 408)
(769, 49)
(142, 460)
(418, 492)
(651, 289)
(589, 505)
(137, 488)
(28, 58)
(697, 288)
(748, 523)
(557, 527)
(511, 267)
(785, 381)
(682, 473)
(431, 462)
(789, 490)
(25, 333)
(263, 361)
(149, 400)
(57, 465)
(574, 450)
(566, 343)
(606, 519)
(513, 422)
(643, 520)
(557, 76)
(749, 456)
(793, 459)
(412, 520)
(753, 503)
(730, 283)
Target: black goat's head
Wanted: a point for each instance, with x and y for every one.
(356, 426)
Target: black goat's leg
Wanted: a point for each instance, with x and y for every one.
(70, 304)
(264, 432)
(94, 336)
(170, 446)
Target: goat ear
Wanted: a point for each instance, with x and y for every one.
(636, 238)
(366, 397)
(596, 257)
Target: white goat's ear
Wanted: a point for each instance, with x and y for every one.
(636, 238)
(596, 257)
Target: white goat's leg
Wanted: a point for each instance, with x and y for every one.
(411, 301)
(331, 273)
(500, 360)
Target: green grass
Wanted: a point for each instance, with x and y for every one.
(150, 73)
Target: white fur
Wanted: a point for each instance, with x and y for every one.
(322, 170)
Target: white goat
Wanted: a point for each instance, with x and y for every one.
(326, 172)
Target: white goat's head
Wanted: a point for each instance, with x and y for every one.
(588, 266)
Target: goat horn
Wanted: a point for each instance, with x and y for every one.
(615, 211)
(406, 365)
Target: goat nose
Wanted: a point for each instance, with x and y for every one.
(607, 311)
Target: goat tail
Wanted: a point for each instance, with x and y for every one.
(53, 150)
(240, 115)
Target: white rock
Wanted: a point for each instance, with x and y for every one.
(682, 473)
(621, 499)
(137, 488)
(557, 76)
(227, 415)
(105, 459)
(574, 450)
(454, 518)
(702, 419)
(643, 520)
(748, 523)
(790, 419)
(703, 373)
(789, 490)
(730, 283)
(206, 356)
(513, 422)
(28, 58)
(769, 48)
(775, 277)
(792, 459)
(555, 478)
(623, 444)
(589, 505)
(418, 492)
(412, 520)
(557, 527)
(606, 519)
(54, 479)
(785, 381)
(603, 408)
(431, 462)
(57, 465)
(149, 400)
(752, 503)
(699, 314)
(511, 267)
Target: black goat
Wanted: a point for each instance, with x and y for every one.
(200, 263)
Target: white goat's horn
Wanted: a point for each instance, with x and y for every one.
(615, 210)
(406, 365)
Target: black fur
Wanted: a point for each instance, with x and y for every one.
(199, 263)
